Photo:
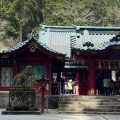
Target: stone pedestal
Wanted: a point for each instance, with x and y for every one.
(22, 100)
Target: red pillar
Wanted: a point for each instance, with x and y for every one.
(59, 83)
(91, 78)
(48, 72)
(15, 69)
(43, 100)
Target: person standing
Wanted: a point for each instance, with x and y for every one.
(70, 87)
(75, 87)
(111, 86)
(65, 89)
(99, 84)
(106, 81)
(62, 85)
(117, 89)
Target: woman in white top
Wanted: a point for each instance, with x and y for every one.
(106, 84)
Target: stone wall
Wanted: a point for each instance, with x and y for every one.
(51, 101)
(4, 98)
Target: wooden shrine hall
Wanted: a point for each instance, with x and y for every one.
(63, 53)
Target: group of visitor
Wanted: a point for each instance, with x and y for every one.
(70, 87)
(106, 86)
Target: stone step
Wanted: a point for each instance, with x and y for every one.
(87, 97)
(89, 109)
(117, 106)
(89, 113)
(99, 109)
(89, 104)
(92, 99)
(73, 103)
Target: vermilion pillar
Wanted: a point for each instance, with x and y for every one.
(48, 71)
(59, 80)
(91, 77)
(15, 69)
(43, 100)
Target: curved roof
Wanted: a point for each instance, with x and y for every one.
(111, 42)
(39, 43)
(59, 37)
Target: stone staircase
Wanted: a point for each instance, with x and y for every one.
(76, 104)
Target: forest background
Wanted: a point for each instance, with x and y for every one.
(19, 17)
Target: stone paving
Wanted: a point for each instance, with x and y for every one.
(52, 115)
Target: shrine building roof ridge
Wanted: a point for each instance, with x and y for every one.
(36, 40)
(74, 27)
(63, 38)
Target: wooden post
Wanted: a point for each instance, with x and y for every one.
(43, 82)
(92, 80)
(43, 100)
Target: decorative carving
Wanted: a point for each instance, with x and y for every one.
(24, 78)
(88, 44)
(33, 44)
(32, 49)
(22, 98)
(5, 56)
(115, 38)
(33, 34)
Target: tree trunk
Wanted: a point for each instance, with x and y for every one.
(20, 33)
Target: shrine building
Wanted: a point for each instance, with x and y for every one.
(61, 53)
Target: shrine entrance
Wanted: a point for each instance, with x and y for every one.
(62, 76)
(109, 69)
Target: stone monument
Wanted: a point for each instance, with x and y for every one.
(22, 95)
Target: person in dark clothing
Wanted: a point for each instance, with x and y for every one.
(99, 84)
(62, 85)
(111, 86)
(117, 89)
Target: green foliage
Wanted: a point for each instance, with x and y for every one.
(21, 13)
(29, 14)
(61, 20)
(11, 30)
(1, 37)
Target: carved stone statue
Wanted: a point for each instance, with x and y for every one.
(22, 96)
(24, 78)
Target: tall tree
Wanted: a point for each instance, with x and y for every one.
(24, 15)
(20, 14)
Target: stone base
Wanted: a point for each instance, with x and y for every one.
(20, 112)
(21, 109)
(22, 100)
